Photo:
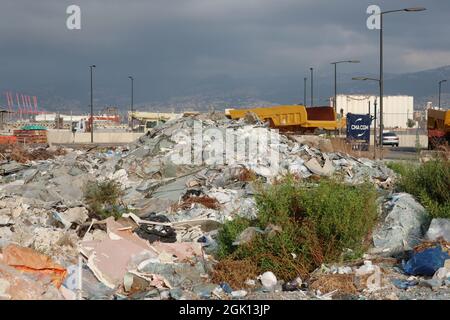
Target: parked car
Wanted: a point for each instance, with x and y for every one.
(390, 139)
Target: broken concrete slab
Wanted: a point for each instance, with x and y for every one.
(403, 227)
(77, 215)
(108, 259)
(439, 228)
(314, 166)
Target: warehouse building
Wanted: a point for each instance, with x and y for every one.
(397, 109)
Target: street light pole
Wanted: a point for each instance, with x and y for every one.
(440, 89)
(335, 88)
(335, 79)
(381, 68)
(91, 121)
(132, 101)
(375, 116)
(312, 86)
(381, 87)
(304, 90)
(375, 130)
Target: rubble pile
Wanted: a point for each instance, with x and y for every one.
(170, 212)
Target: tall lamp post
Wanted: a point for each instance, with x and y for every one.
(440, 90)
(132, 101)
(91, 121)
(304, 90)
(312, 86)
(381, 66)
(375, 116)
(335, 79)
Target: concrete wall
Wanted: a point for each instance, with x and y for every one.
(65, 137)
(409, 140)
(50, 117)
(397, 109)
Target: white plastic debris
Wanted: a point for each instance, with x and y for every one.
(367, 268)
(268, 280)
(239, 294)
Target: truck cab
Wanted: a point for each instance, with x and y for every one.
(79, 126)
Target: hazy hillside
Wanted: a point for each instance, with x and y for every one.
(222, 91)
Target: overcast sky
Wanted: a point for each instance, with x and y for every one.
(167, 43)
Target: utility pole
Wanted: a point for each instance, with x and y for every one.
(381, 87)
(381, 79)
(375, 130)
(92, 106)
(312, 86)
(440, 90)
(335, 79)
(304, 90)
(375, 115)
(335, 88)
(132, 101)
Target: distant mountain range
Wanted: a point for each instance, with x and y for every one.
(222, 92)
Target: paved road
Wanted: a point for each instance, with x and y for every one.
(401, 153)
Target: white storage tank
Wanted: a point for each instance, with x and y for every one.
(397, 109)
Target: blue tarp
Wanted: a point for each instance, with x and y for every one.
(427, 262)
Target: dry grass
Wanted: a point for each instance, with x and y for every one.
(246, 175)
(22, 154)
(430, 244)
(208, 202)
(234, 272)
(341, 283)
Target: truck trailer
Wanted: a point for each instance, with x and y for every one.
(438, 125)
(296, 118)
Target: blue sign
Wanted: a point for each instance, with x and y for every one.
(358, 126)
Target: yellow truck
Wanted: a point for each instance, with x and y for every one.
(438, 125)
(293, 117)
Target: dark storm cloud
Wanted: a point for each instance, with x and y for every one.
(167, 44)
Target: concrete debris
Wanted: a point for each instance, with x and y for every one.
(77, 215)
(315, 142)
(439, 228)
(326, 170)
(403, 226)
(178, 189)
(367, 268)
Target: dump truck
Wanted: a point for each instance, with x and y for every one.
(438, 125)
(295, 118)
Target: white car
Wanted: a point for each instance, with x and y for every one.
(390, 139)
